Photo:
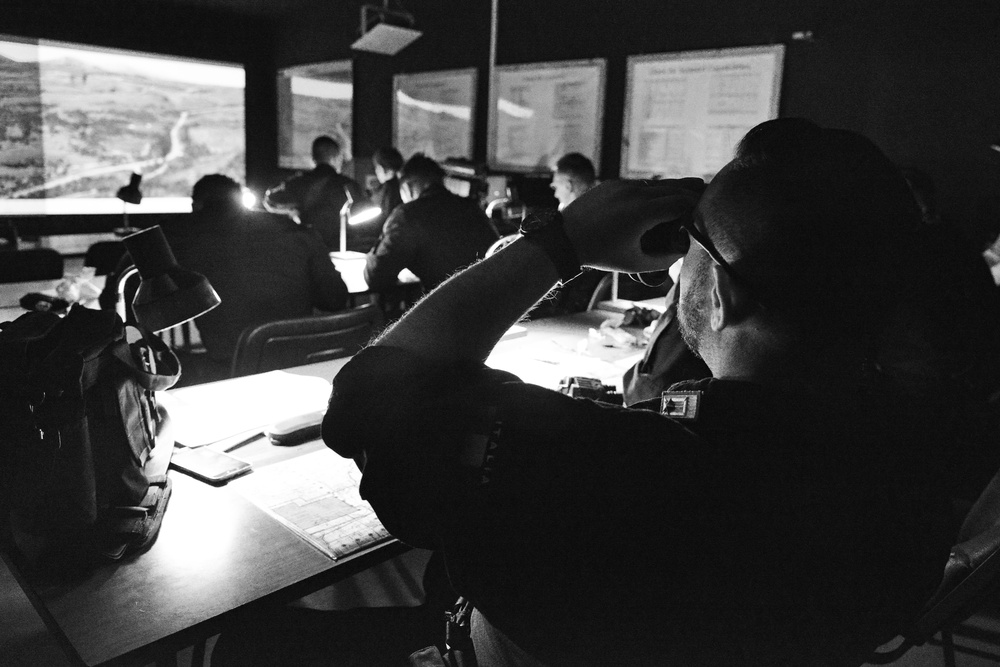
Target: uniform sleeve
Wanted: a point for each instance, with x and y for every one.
(395, 251)
(446, 448)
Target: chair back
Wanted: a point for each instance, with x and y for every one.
(971, 575)
(104, 256)
(21, 266)
(602, 291)
(305, 340)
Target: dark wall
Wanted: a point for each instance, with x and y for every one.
(919, 78)
(171, 31)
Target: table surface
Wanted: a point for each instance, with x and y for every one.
(351, 266)
(218, 552)
(11, 293)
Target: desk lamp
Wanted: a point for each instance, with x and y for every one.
(353, 213)
(168, 295)
(129, 194)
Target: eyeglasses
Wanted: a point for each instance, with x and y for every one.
(706, 244)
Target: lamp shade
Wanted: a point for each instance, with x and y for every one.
(168, 294)
(131, 194)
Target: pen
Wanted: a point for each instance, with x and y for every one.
(245, 441)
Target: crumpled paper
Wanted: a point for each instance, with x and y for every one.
(78, 288)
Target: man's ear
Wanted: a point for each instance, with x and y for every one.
(727, 300)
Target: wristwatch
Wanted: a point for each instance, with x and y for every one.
(544, 228)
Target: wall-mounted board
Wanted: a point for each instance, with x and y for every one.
(541, 111)
(434, 112)
(685, 112)
(313, 100)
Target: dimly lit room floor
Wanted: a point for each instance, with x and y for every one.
(24, 641)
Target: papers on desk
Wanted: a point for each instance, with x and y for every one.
(316, 496)
(545, 361)
(251, 403)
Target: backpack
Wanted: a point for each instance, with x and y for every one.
(79, 421)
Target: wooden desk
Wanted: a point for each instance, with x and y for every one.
(351, 266)
(556, 347)
(11, 293)
(216, 554)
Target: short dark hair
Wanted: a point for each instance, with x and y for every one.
(822, 224)
(388, 158)
(216, 191)
(578, 167)
(421, 171)
(325, 148)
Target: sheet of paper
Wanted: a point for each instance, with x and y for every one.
(251, 403)
(316, 496)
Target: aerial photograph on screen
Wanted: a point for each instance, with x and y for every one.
(75, 123)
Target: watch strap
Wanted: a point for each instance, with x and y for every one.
(551, 238)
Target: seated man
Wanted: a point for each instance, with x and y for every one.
(315, 198)
(433, 233)
(263, 266)
(779, 513)
(573, 176)
(387, 162)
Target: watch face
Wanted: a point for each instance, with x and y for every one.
(538, 220)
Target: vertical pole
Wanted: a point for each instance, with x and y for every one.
(343, 228)
(494, 19)
(491, 81)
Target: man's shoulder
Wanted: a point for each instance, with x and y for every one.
(335, 177)
(442, 200)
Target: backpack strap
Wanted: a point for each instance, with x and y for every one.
(161, 369)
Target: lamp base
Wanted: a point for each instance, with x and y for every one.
(346, 254)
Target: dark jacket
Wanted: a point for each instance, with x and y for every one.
(386, 197)
(319, 196)
(264, 268)
(778, 527)
(433, 236)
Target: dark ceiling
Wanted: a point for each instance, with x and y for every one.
(260, 8)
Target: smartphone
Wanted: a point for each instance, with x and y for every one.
(209, 465)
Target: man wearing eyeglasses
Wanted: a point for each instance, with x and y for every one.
(781, 513)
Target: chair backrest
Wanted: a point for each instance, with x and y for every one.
(104, 256)
(971, 575)
(22, 266)
(602, 291)
(305, 340)
(500, 243)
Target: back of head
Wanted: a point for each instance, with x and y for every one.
(421, 172)
(216, 192)
(578, 168)
(388, 158)
(325, 150)
(822, 224)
